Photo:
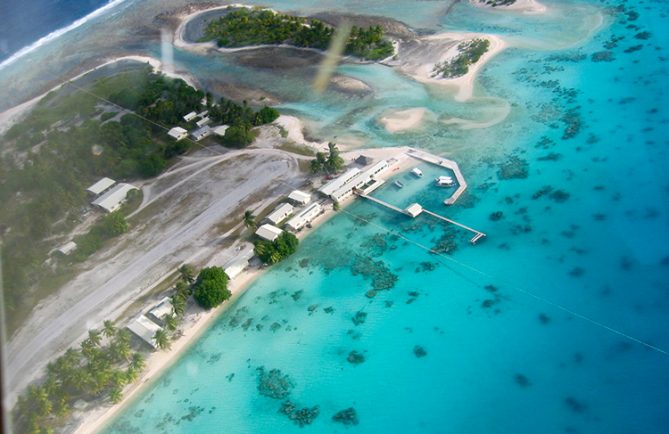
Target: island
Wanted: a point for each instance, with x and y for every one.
(252, 27)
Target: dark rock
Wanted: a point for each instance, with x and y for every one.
(347, 416)
(274, 384)
(355, 358)
(419, 351)
(359, 317)
(522, 380)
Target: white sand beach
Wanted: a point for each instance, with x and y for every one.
(403, 120)
(419, 60)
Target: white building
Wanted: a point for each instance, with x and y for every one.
(239, 263)
(66, 248)
(280, 213)
(304, 217)
(145, 329)
(414, 210)
(202, 122)
(177, 133)
(268, 232)
(202, 114)
(338, 182)
(114, 198)
(220, 130)
(190, 116)
(299, 197)
(100, 186)
(201, 133)
(360, 181)
(162, 309)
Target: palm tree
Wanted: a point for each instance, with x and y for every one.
(162, 339)
(108, 328)
(178, 305)
(116, 395)
(95, 337)
(137, 362)
(187, 273)
(249, 219)
(170, 322)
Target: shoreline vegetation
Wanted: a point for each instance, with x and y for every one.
(252, 27)
(523, 6)
(469, 53)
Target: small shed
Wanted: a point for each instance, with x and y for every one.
(268, 232)
(178, 133)
(280, 213)
(145, 329)
(100, 186)
(220, 130)
(299, 197)
(190, 116)
(66, 248)
(414, 210)
(202, 122)
(162, 309)
(201, 133)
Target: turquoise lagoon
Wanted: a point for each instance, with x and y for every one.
(531, 331)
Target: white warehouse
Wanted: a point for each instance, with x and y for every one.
(307, 215)
(114, 198)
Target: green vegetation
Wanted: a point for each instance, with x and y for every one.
(67, 142)
(42, 188)
(99, 369)
(332, 163)
(495, 3)
(211, 287)
(241, 119)
(470, 53)
(244, 27)
(110, 226)
(277, 250)
(249, 219)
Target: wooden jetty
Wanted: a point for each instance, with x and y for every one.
(410, 211)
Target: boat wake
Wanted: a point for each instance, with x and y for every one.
(60, 32)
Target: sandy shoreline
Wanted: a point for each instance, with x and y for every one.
(403, 120)
(464, 85)
(15, 114)
(523, 6)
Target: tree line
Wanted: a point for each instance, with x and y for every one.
(245, 27)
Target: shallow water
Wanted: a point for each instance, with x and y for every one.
(572, 190)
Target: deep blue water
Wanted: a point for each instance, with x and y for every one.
(24, 22)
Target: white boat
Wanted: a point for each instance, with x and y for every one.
(416, 171)
(399, 184)
(444, 181)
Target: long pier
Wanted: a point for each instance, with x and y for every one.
(449, 164)
(477, 234)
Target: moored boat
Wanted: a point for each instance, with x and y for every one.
(416, 171)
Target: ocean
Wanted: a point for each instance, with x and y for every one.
(554, 323)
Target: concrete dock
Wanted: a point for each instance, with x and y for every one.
(448, 164)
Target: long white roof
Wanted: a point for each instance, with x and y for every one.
(268, 232)
(101, 185)
(280, 213)
(338, 182)
(300, 196)
(112, 200)
(145, 329)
